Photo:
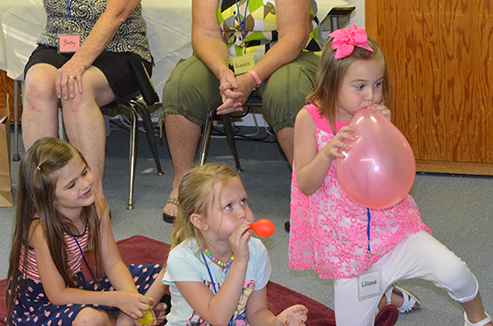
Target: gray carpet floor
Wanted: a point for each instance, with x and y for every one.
(457, 208)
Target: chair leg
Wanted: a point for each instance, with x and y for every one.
(206, 136)
(132, 152)
(16, 157)
(230, 136)
(62, 134)
(151, 139)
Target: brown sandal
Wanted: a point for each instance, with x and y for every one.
(168, 218)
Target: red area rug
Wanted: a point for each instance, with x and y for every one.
(142, 250)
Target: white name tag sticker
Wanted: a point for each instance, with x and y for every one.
(369, 285)
(243, 64)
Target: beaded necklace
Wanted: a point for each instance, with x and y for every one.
(225, 266)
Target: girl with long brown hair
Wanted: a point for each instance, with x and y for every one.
(56, 225)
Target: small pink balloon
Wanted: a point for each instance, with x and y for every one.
(379, 169)
(263, 228)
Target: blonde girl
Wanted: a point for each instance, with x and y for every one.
(329, 230)
(214, 263)
(56, 225)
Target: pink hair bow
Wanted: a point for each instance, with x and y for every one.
(346, 39)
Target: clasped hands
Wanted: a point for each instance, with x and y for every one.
(234, 91)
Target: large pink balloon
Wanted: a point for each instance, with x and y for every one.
(379, 169)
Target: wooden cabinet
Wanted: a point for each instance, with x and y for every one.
(7, 87)
(439, 56)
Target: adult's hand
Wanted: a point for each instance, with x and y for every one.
(116, 13)
(230, 94)
(235, 91)
(69, 80)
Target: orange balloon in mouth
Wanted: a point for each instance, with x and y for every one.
(263, 228)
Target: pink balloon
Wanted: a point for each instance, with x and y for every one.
(379, 169)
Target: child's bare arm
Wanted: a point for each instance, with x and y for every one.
(59, 294)
(219, 308)
(312, 166)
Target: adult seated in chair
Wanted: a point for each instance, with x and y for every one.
(82, 79)
(276, 45)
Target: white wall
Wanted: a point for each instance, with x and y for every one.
(359, 13)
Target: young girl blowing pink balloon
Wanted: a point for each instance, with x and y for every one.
(217, 274)
(56, 224)
(364, 250)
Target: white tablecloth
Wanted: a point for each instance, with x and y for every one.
(168, 27)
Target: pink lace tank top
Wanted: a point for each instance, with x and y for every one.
(329, 231)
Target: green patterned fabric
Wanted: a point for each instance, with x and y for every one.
(260, 27)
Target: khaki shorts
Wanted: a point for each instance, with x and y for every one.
(192, 91)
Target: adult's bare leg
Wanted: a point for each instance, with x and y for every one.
(285, 137)
(40, 104)
(84, 124)
(183, 138)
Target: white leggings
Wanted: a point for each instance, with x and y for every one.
(421, 256)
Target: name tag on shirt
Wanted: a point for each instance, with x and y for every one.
(243, 64)
(69, 43)
(369, 285)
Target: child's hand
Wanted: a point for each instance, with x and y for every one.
(133, 304)
(156, 320)
(145, 322)
(239, 241)
(332, 148)
(382, 109)
(294, 316)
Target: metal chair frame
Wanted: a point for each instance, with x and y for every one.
(251, 103)
(136, 107)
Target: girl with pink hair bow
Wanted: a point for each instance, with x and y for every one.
(329, 231)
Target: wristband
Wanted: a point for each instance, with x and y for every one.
(256, 77)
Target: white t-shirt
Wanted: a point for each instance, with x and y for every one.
(186, 264)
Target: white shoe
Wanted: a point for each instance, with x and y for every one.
(410, 299)
(479, 323)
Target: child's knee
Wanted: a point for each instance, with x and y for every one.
(459, 281)
(91, 316)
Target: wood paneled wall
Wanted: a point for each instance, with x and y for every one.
(439, 56)
(7, 87)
